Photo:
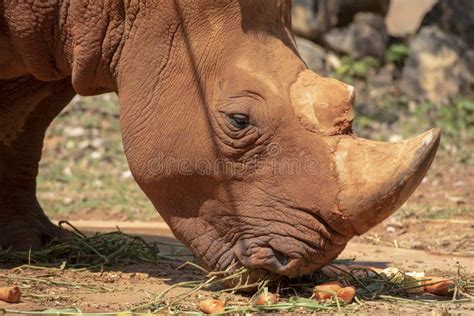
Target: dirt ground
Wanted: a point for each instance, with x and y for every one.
(122, 288)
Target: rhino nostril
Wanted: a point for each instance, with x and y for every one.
(282, 259)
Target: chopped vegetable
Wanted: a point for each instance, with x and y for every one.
(327, 290)
(266, 299)
(10, 294)
(346, 294)
(439, 286)
(210, 306)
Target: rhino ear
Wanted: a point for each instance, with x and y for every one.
(323, 105)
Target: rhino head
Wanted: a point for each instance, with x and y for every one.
(247, 154)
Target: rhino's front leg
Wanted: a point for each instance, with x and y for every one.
(27, 107)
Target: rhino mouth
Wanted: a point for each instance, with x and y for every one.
(274, 260)
(281, 239)
(291, 249)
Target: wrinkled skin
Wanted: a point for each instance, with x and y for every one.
(202, 84)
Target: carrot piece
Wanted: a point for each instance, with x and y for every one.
(269, 298)
(323, 291)
(439, 286)
(10, 294)
(210, 306)
(346, 293)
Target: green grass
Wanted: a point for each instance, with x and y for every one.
(397, 53)
(351, 69)
(92, 252)
(84, 168)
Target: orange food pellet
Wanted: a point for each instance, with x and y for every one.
(323, 291)
(439, 286)
(264, 299)
(10, 294)
(211, 306)
(346, 294)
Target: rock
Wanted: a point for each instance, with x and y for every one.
(333, 61)
(382, 82)
(313, 54)
(455, 17)
(470, 60)
(404, 17)
(366, 36)
(74, 131)
(313, 18)
(304, 18)
(384, 76)
(348, 9)
(439, 67)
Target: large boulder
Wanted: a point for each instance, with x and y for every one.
(439, 67)
(313, 54)
(366, 36)
(453, 16)
(313, 18)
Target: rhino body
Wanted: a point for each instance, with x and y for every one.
(247, 154)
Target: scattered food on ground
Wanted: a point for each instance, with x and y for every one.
(10, 294)
(346, 294)
(327, 290)
(440, 286)
(267, 298)
(212, 306)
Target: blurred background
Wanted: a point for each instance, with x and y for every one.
(412, 64)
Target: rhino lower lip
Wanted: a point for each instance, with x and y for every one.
(292, 254)
(278, 256)
(264, 257)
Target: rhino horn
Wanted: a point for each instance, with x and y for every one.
(376, 178)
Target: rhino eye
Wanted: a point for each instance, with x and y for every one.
(239, 121)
